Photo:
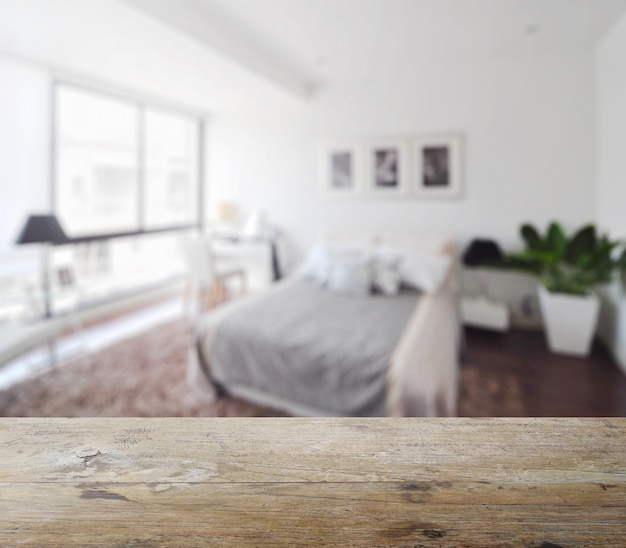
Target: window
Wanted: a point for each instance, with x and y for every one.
(170, 169)
(122, 166)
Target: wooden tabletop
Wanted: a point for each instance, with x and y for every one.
(314, 482)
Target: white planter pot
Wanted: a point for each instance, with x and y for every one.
(570, 321)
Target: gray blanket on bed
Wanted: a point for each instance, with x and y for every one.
(314, 347)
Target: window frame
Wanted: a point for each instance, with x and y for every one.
(141, 105)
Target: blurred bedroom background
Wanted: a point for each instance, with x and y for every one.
(268, 129)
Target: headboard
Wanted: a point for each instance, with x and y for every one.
(409, 241)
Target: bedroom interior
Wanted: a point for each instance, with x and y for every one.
(280, 211)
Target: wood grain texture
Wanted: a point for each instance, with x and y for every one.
(313, 482)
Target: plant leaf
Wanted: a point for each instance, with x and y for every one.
(519, 262)
(531, 236)
(583, 242)
(583, 260)
(571, 266)
(546, 258)
(556, 240)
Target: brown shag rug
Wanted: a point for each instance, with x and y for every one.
(145, 376)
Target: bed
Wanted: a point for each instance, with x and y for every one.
(308, 351)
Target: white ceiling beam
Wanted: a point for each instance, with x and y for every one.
(221, 35)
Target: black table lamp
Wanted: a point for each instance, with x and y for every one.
(43, 229)
(481, 253)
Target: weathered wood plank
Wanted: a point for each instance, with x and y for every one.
(337, 482)
(304, 450)
(299, 513)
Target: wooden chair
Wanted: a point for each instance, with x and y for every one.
(207, 276)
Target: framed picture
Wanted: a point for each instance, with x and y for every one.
(437, 162)
(342, 170)
(387, 168)
(66, 276)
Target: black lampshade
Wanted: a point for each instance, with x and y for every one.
(481, 252)
(42, 229)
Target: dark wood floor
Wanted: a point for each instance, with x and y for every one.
(539, 383)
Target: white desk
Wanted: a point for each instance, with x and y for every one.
(253, 255)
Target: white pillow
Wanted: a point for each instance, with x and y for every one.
(315, 267)
(387, 267)
(319, 261)
(350, 274)
(425, 271)
(386, 270)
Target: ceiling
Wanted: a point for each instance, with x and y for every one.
(213, 54)
(348, 39)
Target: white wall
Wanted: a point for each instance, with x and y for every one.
(529, 131)
(528, 123)
(611, 128)
(611, 137)
(24, 146)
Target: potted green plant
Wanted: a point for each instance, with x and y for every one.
(568, 268)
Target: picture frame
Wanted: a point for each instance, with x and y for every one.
(342, 169)
(65, 276)
(437, 166)
(387, 168)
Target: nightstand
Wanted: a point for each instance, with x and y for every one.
(485, 313)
